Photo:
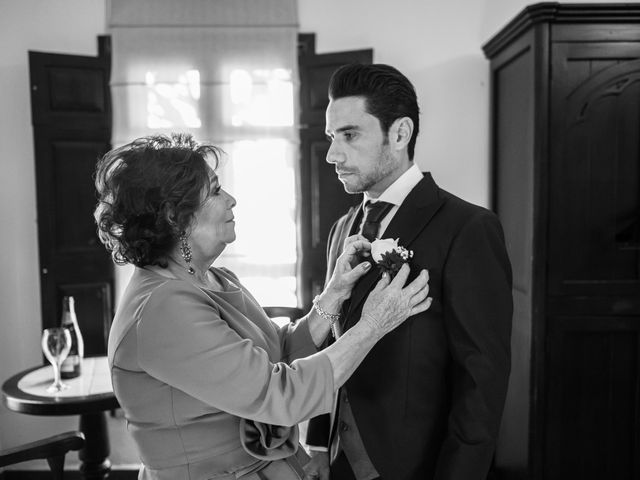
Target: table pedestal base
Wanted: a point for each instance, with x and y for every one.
(95, 454)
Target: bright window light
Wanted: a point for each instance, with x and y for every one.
(260, 175)
(173, 105)
(258, 172)
(261, 97)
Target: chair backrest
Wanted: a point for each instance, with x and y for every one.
(52, 448)
(292, 313)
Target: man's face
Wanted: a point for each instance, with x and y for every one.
(359, 148)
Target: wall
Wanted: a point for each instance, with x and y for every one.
(438, 48)
(437, 44)
(68, 26)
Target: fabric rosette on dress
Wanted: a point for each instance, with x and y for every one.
(268, 442)
(276, 447)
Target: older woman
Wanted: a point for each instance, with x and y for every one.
(210, 387)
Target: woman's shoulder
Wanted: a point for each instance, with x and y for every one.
(225, 272)
(142, 285)
(149, 290)
(231, 280)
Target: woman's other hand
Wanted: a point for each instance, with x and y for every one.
(388, 305)
(391, 302)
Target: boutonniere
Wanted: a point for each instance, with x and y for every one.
(389, 256)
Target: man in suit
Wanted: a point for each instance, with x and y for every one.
(427, 401)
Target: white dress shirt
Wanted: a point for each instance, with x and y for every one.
(395, 194)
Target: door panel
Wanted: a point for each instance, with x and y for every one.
(595, 176)
(71, 91)
(323, 199)
(71, 114)
(593, 422)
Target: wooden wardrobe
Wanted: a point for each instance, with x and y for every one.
(565, 115)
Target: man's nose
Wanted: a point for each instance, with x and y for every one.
(333, 154)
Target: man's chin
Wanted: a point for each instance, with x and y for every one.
(352, 189)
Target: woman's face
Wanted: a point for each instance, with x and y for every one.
(213, 225)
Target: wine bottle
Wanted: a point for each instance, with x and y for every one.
(72, 365)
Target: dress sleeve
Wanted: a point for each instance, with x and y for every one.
(296, 341)
(183, 342)
(295, 338)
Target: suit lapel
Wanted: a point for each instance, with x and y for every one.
(336, 239)
(412, 217)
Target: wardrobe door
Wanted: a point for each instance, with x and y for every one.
(593, 304)
(595, 171)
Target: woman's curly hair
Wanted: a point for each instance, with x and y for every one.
(148, 191)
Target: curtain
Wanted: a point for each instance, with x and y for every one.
(225, 71)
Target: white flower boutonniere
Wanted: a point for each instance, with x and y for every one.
(389, 256)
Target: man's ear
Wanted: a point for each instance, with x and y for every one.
(400, 133)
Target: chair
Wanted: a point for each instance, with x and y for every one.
(292, 313)
(52, 448)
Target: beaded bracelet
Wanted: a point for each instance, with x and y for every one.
(332, 317)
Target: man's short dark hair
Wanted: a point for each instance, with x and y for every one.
(388, 94)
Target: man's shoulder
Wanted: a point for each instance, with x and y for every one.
(458, 206)
(459, 203)
(427, 190)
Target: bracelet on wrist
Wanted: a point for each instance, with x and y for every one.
(332, 317)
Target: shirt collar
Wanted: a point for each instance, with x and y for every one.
(398, 190)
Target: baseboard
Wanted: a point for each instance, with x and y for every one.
(68, 475)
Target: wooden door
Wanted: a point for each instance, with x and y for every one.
(71, 116)
(323, 199)
(593, 310)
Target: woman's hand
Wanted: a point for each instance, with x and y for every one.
(349, 268)
(390, 303)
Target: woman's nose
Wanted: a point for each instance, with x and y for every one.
(230, 200)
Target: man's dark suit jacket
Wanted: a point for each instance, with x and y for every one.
(428, 398)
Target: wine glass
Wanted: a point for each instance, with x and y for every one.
(56, 343)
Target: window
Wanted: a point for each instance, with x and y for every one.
(228, 75)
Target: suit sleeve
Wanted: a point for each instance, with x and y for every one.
(478, 310)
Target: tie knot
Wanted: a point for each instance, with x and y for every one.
(376, 211)
(373, 214)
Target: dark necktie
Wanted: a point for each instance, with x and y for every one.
(373, 215)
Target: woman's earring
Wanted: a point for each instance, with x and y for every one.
(185, 251)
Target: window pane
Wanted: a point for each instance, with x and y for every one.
(173, 104)
(260, 97)
(260, 175)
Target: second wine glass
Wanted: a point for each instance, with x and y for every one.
(56, 343)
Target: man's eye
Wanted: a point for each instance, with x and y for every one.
(349, 135)
(216, 190)
(329, 138)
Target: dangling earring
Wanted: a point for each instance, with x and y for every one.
(185, 251)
